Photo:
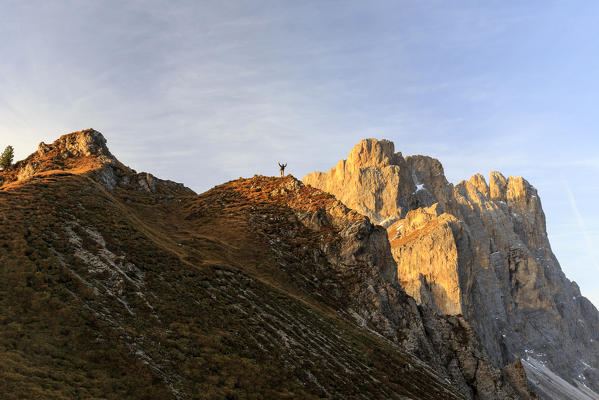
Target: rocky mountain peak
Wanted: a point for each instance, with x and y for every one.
(85, 143)
(478, 180)
(77, 152)
(372, 153)
(85, 153)
(497, 186)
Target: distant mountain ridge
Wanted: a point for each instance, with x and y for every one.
(478, 250)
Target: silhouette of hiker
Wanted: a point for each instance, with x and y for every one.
(282, 168)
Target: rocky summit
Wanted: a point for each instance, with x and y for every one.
(479, 251)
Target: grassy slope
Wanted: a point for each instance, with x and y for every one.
(208, 314)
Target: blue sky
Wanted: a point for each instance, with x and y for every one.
(202, 92)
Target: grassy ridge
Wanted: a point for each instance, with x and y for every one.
(196, 308)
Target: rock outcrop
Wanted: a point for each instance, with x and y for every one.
(424, 242)
(474, 249)
(86, 152)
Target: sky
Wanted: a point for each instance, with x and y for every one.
(202, 92)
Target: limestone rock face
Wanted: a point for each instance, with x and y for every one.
(429, 276)
(375, 181)
(474, 249)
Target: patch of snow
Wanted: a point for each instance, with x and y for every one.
(553, 385)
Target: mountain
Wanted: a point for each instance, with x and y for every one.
(479, 251)
(116, 284)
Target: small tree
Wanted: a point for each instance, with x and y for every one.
(7, 157)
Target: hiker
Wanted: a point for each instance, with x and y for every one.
(282, 168)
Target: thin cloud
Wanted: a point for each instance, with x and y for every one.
(581, 225)
(203, 92)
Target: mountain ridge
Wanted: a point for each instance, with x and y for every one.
(119, 284)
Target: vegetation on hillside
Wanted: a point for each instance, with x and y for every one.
(7, 157)
(202, 313)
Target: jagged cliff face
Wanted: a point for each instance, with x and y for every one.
(121, 285)
(475, 249)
